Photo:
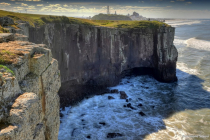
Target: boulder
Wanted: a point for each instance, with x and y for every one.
(114, 135)
(123, 95)
(130, 106)
(6, 37)
(114, 91)
(5, 21)
(110, 97)
(142, 113)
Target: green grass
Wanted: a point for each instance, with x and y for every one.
(110, 17)
(9, 56)
(6, 52)
(7, 69)
(3, 30)
(131, 24)
(40, 20)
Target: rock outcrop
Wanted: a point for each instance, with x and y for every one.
(5, 21)
(91, 58)
(29, 83)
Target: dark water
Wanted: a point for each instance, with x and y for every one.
(172, 111)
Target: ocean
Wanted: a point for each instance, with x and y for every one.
(154, 110)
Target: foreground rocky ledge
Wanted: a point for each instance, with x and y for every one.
(29, 83)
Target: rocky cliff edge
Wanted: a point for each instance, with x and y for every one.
(29, 83)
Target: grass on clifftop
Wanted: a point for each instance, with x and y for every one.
(9, 55)
(39, 20)
(7, 69)
(110, 17)
(3, 30)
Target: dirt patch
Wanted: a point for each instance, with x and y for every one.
(11, 51)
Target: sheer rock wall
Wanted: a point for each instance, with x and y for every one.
(91, 58)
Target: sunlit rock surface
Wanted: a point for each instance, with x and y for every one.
(29, 103)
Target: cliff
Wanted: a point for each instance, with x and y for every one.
(91, 58)
(29, 83)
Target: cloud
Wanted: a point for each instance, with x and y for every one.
(25, 0)
(51, 7)
(23, 4)
(18, 8)
(180, 0)
(6, 4)
(39, 5)
(188, 2)
(82, 7)
(65, 5)
(31, 7)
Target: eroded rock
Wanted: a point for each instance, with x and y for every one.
(5, 21)
(123, 95)
(114, 91)
(142, 113)
(114, 135)
(29, 100)
(110, 97)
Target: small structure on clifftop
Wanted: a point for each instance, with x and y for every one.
(108, 12)
(135, 14)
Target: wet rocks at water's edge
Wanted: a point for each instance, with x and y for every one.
(114, 91)
(107, 118)
(114, 135)
(110, 97)
(142, 114)
(140, 105)
(102, 123)
(89, 137)
(123, 95)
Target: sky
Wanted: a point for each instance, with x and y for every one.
(84, 8)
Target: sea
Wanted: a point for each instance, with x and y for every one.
(154, 110)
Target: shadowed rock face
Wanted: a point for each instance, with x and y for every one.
(95, 57)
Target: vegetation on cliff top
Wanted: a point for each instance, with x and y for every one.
(7, 69)
(39, 20)
(8, 54)
(110, 17)
(3, 30)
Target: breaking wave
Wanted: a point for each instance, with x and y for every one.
(176, 23)
(198, 44)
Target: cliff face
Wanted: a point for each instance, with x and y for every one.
(97, 56)
(29, 103)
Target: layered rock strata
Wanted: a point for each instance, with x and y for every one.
(29, 103)
(91, 58)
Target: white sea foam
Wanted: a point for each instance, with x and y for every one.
(183, 67)
(180, 43)
(84, 120)
(183, 22)
(98, 116)
(198, 44)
